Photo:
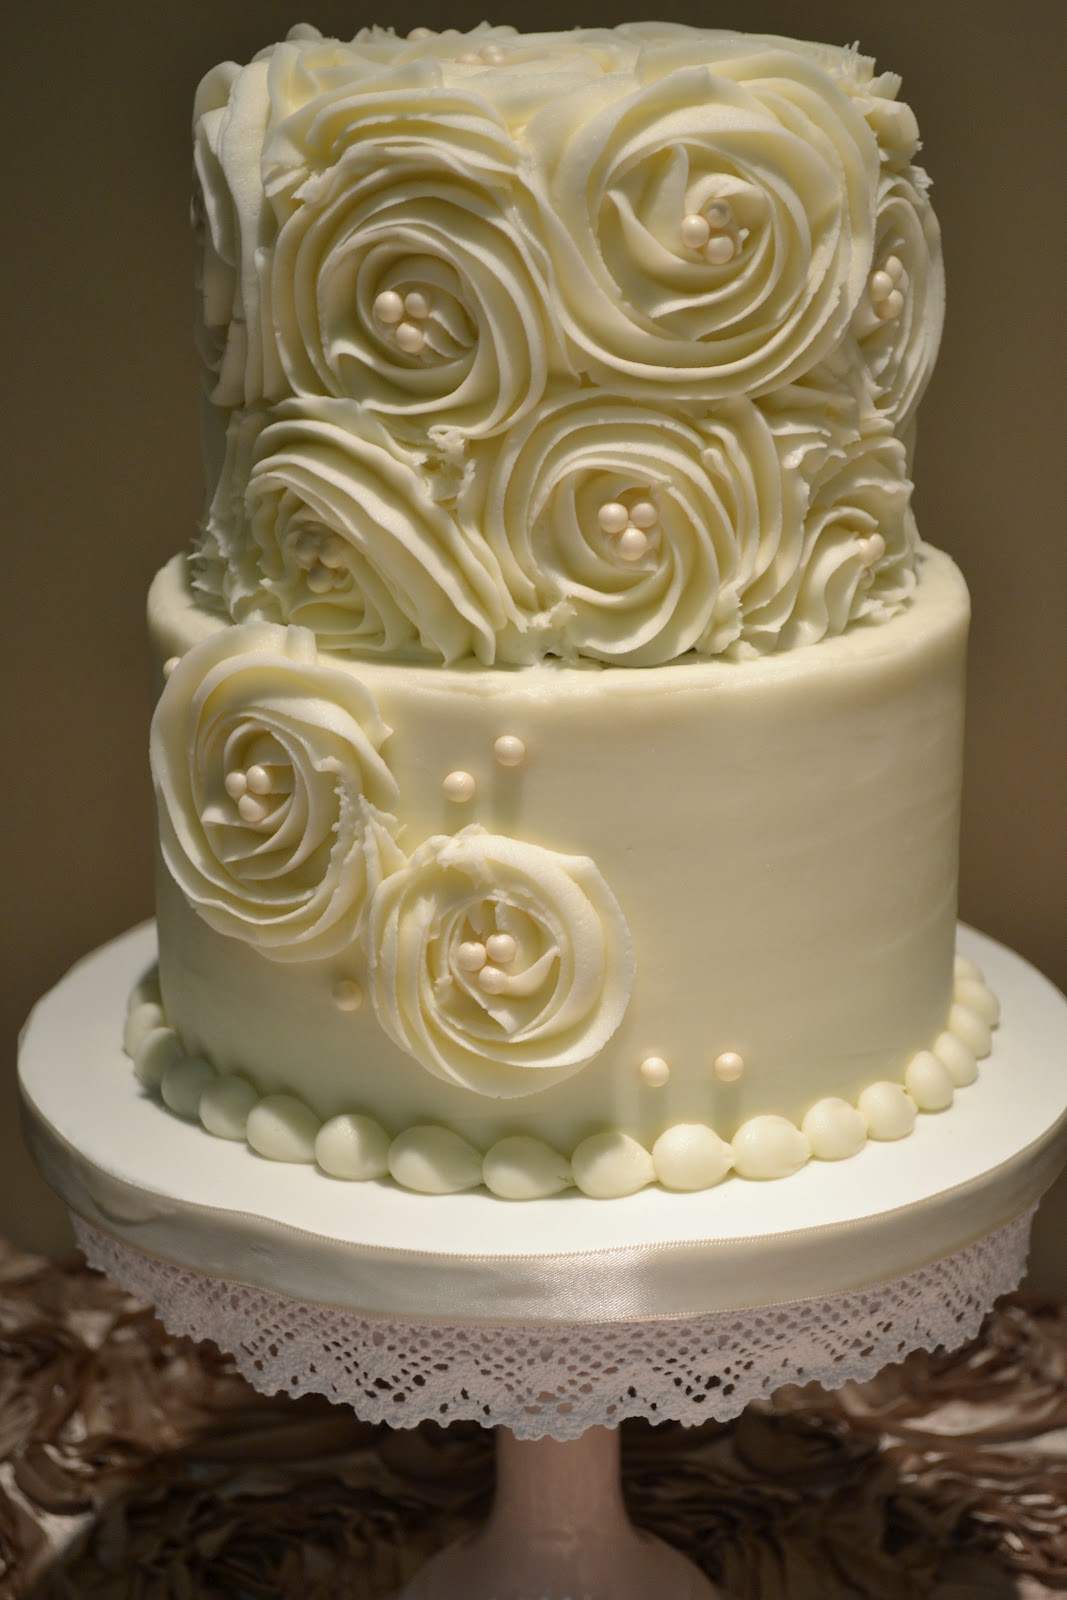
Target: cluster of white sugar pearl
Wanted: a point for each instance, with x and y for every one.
(886, 285)
(402, 314)
(629, 526)
(486, 962)
(249, 790)
(490, 55)
(322, 555)
(709, 232)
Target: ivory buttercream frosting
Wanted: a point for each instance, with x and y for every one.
(557, 751)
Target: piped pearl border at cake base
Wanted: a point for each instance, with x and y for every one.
(429, 1159)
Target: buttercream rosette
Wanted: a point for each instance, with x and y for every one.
(322, 519)
(499, 965)
(898, 322)
(275, 804)
(708, 490)
(407, 272)
(766, 149)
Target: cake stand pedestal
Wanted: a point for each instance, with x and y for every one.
(552, 1318)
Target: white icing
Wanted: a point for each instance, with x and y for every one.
(769, 1147)
(353, 1147)
(609, 1165)
(975, 996)
(957, 1057)
(971, 1028)
(929, 1082)
(690, 1156)
(293, 883)
(888, 1111)
(434, 1160)
(154, 1053)
(141, 1019)
(282, 1128)
(834, 1129)
(521, 1168)
(183, 1082)
(964, 967)
(225, 1104)
(558, 1002)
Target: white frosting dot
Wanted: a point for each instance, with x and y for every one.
(613, 516)
(719, 214)
(184, 1082)
(501, 948)
(965, 968)
(973, 994)
(834, 1129)
(972, 1029)
(434, 1160)
(929, 1082)
(169, 665)
(872, 549)
(887, 1110)
(493, 55)
(459, 787)
(893, 268)
(258, 780)
(410, 338)
(491, 980)
(225, 1104)
(353, 1147)
(509, 750)
(881, 285)
(319, 579)
(235, 784)
(141, 1019)
(417, 35)
(655, 1071)
(471, 956)
(691, 1156)
(728, 1066)
(282, 1128)
(769, 1147)
(347, 994)
(719, 250)
(609, 1165)
(891, 306)
(156, 1051)
(644, 514)
(416, 305)
(251, 808)
(632, 544)
(960, 1061)
(389, 307)
(521, 1168)
(695, 230)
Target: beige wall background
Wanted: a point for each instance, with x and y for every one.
(102, 481)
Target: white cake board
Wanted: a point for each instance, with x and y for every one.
(549, 1316)
(131, 1167)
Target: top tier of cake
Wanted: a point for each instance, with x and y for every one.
(601, 344)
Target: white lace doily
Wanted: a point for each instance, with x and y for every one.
(560, 1380)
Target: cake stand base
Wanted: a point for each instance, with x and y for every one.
(559, 1531)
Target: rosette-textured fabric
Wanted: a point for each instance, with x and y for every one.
(497, 964)
(320, 518)
(275, 804)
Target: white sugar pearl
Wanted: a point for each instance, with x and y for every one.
(251, 809)
(389, 308)
(893, 268)
(644, 514)
(409, 338)
(632, 544)
(509, 750)
(695, 231)
(416, 305)
(258, 779)
(347, 994)
(881, 285)
(471, 956)
(332, 552)
(728, 1066)
(720, 250)
(613, 516)
(501, 948)
(492, 981)
(872, 548)
(719, 214)
(894, 304)
(319, 580)
(235, 784)
(459, 787)
(655, 1071)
